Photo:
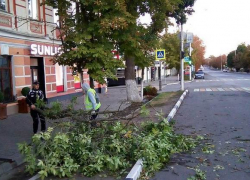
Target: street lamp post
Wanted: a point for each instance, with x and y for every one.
(181, 60)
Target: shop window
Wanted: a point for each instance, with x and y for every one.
(3, 5)
(33, 9)
(59, 78)
(77, 81)
(5, 78)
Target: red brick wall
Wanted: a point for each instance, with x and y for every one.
(50, 76)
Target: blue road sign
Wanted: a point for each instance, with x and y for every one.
(160, 54)
(186, 59)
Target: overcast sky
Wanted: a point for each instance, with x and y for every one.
(221, 24)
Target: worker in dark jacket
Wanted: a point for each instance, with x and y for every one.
(34, 94)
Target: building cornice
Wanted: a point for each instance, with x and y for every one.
(28, 37)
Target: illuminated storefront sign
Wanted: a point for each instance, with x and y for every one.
(44, 50)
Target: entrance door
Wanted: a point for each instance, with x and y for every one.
(5, 78)
(37, 72)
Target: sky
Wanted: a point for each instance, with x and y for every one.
(221, 24)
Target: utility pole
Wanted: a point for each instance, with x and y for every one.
(181, 59)
(160, 84)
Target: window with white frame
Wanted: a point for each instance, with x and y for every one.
(3, 5)
(33, 9)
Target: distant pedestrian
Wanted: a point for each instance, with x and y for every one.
(92, 101)
(36, 94)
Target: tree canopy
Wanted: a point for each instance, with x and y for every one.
(230, 59)
(91, 29)
(171, 43)
(198, 54)
(240, 58)
(184, 9)
(88, 34)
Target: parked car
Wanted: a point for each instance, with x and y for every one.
(224, 70)
(199, 74)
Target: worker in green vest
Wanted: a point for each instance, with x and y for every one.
(92, 102)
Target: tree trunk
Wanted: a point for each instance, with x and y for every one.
(91, 82)
(142, 78)
(131, 86)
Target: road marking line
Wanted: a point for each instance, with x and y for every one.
(239, 89)
(220, 89)
(214, 89)
(227, 89)
(202, 90)
(245, 88)
(208, 89)
(233, 89)
(172, 83)
(196, 90)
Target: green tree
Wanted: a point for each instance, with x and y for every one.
(247, 58)
(91, 29)
(184, 9)
(85, 35)
(159, 11)
(171, 43)
(137, 40)
(240, 61)
(230, 59)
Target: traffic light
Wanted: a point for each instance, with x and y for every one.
(182, 54)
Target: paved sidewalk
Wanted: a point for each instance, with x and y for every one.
(18, 127)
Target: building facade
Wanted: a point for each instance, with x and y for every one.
(28, 42)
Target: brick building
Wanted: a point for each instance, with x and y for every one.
(28, 41)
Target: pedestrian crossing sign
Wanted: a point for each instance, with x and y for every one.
(160, 54)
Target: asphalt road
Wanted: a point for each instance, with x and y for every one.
(217, 108)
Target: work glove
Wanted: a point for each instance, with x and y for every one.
(93, 112)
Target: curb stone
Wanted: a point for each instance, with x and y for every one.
(176, 107)
(134, 174)
(135, 171)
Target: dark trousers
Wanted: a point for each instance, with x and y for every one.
(93, 117)
(36, 116)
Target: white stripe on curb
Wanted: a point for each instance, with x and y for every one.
(177, 105)
(135, 171)
(35, 177)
